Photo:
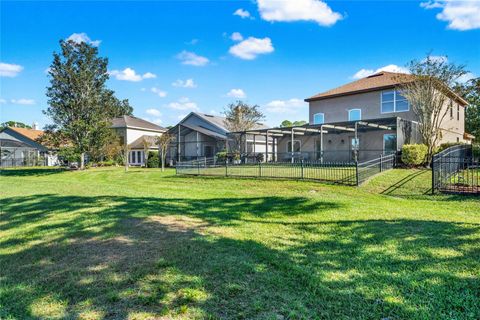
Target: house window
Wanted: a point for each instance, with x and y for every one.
(139, 157)
(318, 118)
(354, 114)
(451, 110)
(458, 112)
(393, 101)
(296, 146)
(389, 143)
(133, 157)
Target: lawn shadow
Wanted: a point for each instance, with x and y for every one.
(22, 172)
(164, 257)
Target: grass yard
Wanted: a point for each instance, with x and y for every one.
(104, 244)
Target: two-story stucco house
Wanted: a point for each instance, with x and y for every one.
(134, 131)
(360, 121)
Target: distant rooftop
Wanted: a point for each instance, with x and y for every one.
(134, 122)
(31, 134)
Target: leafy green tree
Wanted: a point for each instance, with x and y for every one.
(288, 123)
(470, 91)
(240, 117)
(80, 105)
(14, 124)
(428, 90)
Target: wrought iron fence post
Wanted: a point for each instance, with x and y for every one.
(259, 168)
(302, 164)
(356, 173)
(198, 167)
(381, 162)
(433, 175)
(226, 167)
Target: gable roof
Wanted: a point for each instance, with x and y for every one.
(138, 143)
(134, 122)
(378, 81)
(218, 121)
(31, 134)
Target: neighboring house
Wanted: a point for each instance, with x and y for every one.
(135, 132)
(361, 120)
(19, 147)
(201, 135)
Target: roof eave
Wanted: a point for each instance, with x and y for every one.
(314, 98)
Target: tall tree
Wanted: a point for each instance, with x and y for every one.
(288, 123)
(240, 117)
(470, 91)
(80, 105)
(428, 90)
(14, 124)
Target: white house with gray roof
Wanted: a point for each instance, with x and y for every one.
(133, 132)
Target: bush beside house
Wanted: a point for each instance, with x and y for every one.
(414, 154)
(153, 159)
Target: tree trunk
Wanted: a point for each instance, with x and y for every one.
(126, 159)
(163, 162)
(82, 160)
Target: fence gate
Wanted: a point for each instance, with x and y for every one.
(455, 170)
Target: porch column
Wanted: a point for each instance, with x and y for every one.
(254, 143)
(246, 147)
(178, 144)
(274, 149)
(197, 146)
(321, 143)
(291, 146)
(266, 147)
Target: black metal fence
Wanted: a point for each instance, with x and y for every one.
(347, 173)
(455, 170)
(22, 162)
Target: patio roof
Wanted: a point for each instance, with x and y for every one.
(333, 127)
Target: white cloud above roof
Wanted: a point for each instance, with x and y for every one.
(153, 112)
(362, 73)
(298, 10)
(285, 106)
(183, 103)
(251, 47)
(23, 101)
(460, 15)
(159, 92)
(9, 69)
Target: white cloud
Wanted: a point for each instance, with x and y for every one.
(9, 70)
(466, 77)
(192, 42)
(236, 36)
(153, 112)
(160, 93)
(23, 101)
(189, 83)
(362, 73)
(244, 14)
(82, 37)
(183, 104)
(236, 93)
(285, 106)
(460, 15)
(181, 116)
(250, 48)
(192, 59)
(128, 74)
(143, 89)
(154, 120)
(298, 10)
(3, 101)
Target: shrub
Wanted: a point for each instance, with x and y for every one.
(476, 151)
(259, 157)
(221, 156)
(106, 163)
(414, 154)
(153, 159)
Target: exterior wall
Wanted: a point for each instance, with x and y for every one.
(134, 134)
(336, 110)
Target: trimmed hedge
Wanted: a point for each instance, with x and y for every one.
(153, 160)
(414, 154)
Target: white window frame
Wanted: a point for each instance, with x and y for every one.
(354, 109)
(394, 102)
(318, 113)
(299, 142)
(388, 134)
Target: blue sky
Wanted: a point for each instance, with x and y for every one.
(172, 57)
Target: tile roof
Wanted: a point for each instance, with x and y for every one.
(376, 81)
(29, 133)
(134, 122)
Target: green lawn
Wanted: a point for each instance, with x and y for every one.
(105, 244)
